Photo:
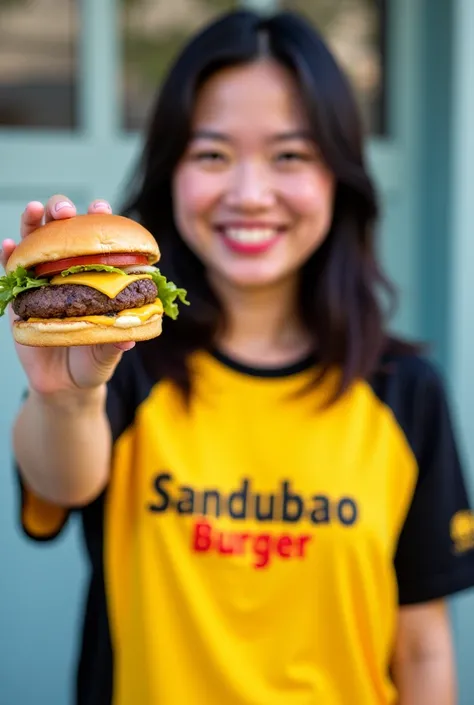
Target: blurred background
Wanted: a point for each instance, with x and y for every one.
(77, 78)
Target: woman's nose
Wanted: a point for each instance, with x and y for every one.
(250, 189)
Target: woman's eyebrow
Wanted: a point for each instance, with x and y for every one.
(210, 135)
(279, 137)
(293, 135)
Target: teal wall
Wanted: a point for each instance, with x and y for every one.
(460, 329)
(425, 179)
(435, 183)
(445, 249)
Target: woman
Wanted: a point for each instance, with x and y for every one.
(269, 500)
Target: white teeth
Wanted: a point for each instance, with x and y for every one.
(250, 235)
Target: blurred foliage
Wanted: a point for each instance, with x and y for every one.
(149, 57)
(328, 16)
(323, 13)
(217, 5)
(221, 5)
(11, 3)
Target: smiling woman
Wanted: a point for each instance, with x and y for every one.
(266, 476)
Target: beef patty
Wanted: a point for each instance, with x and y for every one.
(69, 300)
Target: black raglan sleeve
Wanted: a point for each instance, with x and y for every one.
(42, 520)
(435, 553)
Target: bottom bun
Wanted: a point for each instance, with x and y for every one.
(68, 333)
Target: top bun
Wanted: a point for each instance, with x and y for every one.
(83, 235)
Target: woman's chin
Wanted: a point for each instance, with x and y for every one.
(250, 277)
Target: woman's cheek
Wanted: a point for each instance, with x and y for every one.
(199, 195)
(305, 193)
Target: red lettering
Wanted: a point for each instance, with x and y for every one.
(284, 546)
(301, 542)
(221, 541)
(202, 536)
(261, 548)
(239, 544)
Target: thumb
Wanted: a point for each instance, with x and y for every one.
(109, 354)
(93, 366)
(124, 346)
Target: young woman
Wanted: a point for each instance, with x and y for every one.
(271, 495)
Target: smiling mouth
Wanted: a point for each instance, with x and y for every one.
(250, 236)
(250, 241)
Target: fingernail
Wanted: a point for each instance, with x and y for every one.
(102, 204)
(62, 204)
(36, 204)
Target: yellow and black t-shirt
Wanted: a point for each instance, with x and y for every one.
(253, 549)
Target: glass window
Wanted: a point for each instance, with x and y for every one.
(355, 30)
(154, 31)
(38, 63)
(152, 34)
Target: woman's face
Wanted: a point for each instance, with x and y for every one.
(252, 196)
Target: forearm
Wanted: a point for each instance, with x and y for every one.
(426, 681)
(62, 444)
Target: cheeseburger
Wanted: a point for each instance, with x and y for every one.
(87, 280)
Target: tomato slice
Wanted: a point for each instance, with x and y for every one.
(113, 260)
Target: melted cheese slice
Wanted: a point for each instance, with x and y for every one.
(108, 283)
(141, 314)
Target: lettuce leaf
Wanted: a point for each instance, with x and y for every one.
(91, 268)
(15, 283)
(168, 293)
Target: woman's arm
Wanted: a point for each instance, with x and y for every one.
(62, 444)
(423, 664)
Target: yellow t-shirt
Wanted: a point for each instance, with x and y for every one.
(253, 548)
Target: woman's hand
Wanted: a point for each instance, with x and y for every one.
(51, 370)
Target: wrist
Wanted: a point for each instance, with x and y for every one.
(71, 400)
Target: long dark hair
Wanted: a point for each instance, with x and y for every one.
(342, 285)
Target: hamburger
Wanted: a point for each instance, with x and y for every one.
(87, 280)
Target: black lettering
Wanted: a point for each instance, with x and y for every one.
(239, 497)
(291, 502)
(185, 503)
(268, 516)
(212, 494)
(158, 483)
(347, 511)
(321, 510)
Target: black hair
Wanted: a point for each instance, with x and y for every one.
(342, 286)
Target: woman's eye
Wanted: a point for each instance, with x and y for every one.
(293, 157)
(209, 156)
